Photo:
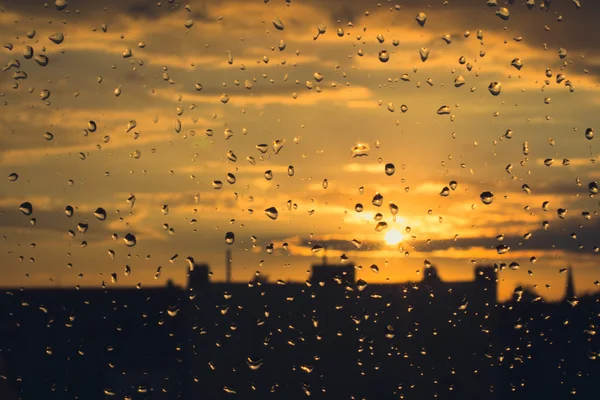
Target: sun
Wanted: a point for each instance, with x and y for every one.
(393, 237)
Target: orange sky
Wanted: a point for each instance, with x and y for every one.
(194, 99)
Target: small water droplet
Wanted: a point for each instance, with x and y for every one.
(13, 177)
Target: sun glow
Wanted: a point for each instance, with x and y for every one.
(393, 237)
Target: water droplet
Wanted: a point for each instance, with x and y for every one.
(278, 24)
(486, 197)
(360, 150)
(424, 53)
(57, 37)
(384, 56)
(272, 213)
(445, 191)
(69, 211)
(503, 13)
(443, 110)
(26, 208)
(217, 184)
(562, 213)
(41, 59)
(325, 183)
(13, 177)
(390, 169)
(526, 188)
(495, 88)
(268, 174)
(358, 207)
(117, 91)
(421, 18)
(502, 249)
(517, 63)
(254, 364)
(453, 185)
(377, 200)
(278, 145)
(459, 81)
(61, 4)
(389, 332)
(381, 226)
(291, 170)
(263, 148)
(130, 240)
(593, 187)
(224, 98)
(100, 213)
(589, 133)
(562, 53)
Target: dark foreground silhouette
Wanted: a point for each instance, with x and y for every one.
(330, 338)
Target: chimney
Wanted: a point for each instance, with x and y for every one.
(228, 266)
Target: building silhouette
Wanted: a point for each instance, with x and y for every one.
(330, 337)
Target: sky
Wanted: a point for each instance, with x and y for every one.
(139, 108)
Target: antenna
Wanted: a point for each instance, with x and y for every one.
(325, 255)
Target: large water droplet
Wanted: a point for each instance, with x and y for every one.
(229, 238)
(593, 187)
(486, 197)
(272, 213)
(384, 56)
(100, 213)
(381, 226)
(421, 18)
(13, 177)
(254, 364)
(424, 53)
(26, 208)
(130, 240)
(390, 169)
(495, 88)
(443, 110)
(589, 133)
(278, 24)
(377, 200)
(517, 63)
(57, 37)
(503, 13)
(360, 150)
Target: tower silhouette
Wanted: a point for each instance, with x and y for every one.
(570, 290)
